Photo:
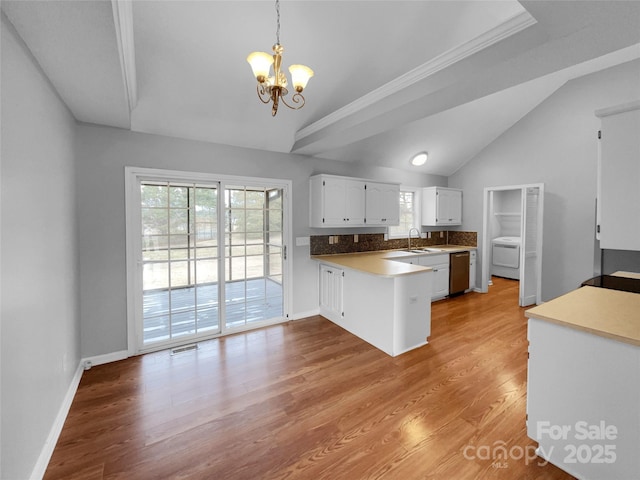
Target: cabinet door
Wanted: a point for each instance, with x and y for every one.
(333, 201)
(440, 281)
(619, 200)
(449, 207)
(429, 207)
(331, 292)
(472, 274)
(455, 207)
(382, 204)
(441, 206)
(354, 202)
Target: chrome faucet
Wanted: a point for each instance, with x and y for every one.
(410, 232)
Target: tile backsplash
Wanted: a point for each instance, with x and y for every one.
(468, 239)
(369, 242)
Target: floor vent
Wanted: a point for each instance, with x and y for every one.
(184, 348)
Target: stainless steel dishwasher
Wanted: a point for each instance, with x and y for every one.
(458, 273)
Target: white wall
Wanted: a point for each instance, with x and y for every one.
(103, 152)
(555, 144)
(39, 295)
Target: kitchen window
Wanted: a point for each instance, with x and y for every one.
(409, 213)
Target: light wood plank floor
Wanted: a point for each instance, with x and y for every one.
(307, 400)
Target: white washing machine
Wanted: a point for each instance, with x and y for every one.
(505, 257)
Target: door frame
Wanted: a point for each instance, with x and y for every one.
(133, 177)
(486, 234)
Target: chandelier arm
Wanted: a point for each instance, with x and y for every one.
(295, 98)
(263, 95)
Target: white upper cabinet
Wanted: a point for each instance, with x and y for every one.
(336, 201)
(382, 204)
(351, 202)
(618, 214)
(441, 206)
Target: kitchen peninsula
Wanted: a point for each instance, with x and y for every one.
(379, 297)
(583, 393)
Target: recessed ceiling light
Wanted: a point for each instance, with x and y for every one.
(419, 159)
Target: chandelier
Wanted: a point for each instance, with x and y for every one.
(273, 88)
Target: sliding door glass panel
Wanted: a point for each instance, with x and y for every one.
(179, 260)
(253, 238)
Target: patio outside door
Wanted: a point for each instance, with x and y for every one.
(210, 259)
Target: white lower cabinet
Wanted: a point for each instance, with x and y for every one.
(583, 401)
(391, 313)
(472, 269)
(440, 266)
(331, 292)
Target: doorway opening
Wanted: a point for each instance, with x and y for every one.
(512, 238)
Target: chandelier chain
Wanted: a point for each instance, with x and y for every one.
(278, 22)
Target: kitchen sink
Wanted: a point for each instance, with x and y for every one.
(425, 249)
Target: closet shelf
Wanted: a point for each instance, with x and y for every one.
(513, 214)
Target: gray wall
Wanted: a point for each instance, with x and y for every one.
(39, 295)
(102, 153)
(555, 144)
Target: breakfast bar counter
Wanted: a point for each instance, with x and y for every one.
(583, 385)
(601, 311)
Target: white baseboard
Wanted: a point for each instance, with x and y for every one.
(106, 358)
(301, 315)
(47, 450)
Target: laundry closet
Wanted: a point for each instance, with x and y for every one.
(506, 225)
(512, 238)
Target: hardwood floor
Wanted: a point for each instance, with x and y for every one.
(308, 400)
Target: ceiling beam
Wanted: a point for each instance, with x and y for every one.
(506, 29)
(123, 20)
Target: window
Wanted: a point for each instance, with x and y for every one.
(409, 212)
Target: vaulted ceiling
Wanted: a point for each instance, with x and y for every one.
(392, 78)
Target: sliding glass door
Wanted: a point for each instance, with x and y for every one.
(211, 257)
(179, 260)
(253, 254)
